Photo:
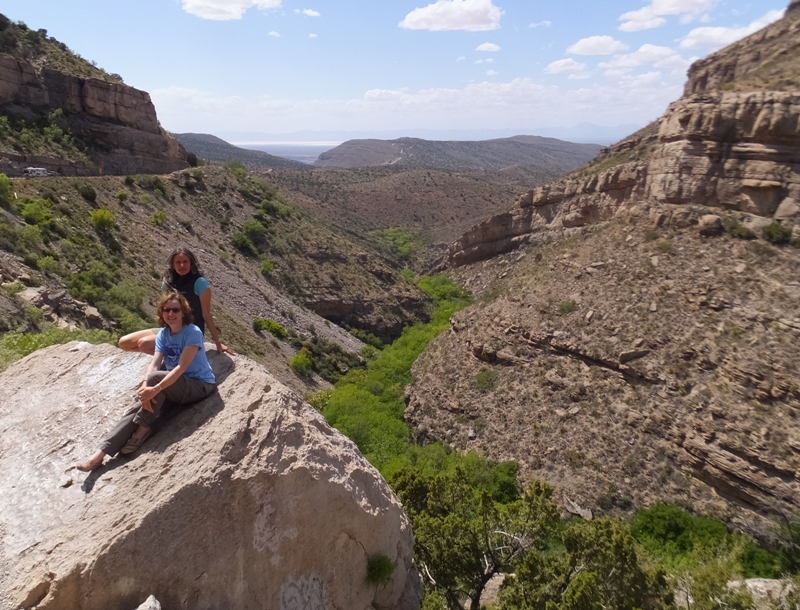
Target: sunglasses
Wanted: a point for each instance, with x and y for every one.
(171, 310)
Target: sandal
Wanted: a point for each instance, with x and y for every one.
(134, 444)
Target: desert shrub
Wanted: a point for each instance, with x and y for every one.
(367, 337)
(776, 233)
(379, 570)
(87, 192)
(34, 315)
(6, 190)
(197, 174)
(129, 181)
(486, 379)
(36, 212)
(191, 159)
(255, 231)
(237, 168)
(271, 326)
(736, 229)
(122, 196)
(664, 246)
(301, 362)
(243, 244)
(14, 346)
(103, 219)
(319, 400)
(267, 266)
(153, 183)
(159, 218)
(31, 237)
(14, 287)
(567, 306)
(48, 265)
(8, 237)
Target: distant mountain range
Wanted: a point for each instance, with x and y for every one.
(587, 133)
(488, 155)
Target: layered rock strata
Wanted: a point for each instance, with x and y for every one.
(245, 500)
(119, 121)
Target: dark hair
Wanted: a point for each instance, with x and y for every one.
(169, 275)
(185, 308)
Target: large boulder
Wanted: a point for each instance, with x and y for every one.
(247, 499)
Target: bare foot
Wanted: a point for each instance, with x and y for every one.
(92, 463)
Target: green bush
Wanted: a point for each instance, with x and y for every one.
(191, 159)
(319, 400)
(48, 265)
(486, 379)
(159, 218)
(6, 191)
(103, 220)
(777, 234)
(237, 168)
(197, 174)
(379, 570)
(87, 192)
(267, 266)
(14, 346)
(129, 181)
(8, 237)
(14, 287)
(255, 231)
(301, 362)
(736, 229)
(243, 244)
(36, 212)
(271, 326)
(567, 306)
(122, 196)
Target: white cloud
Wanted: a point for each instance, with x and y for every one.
(711, 39)
(225, 10)
(307, 12)
(461, 58)
(491, 73)
(570, 67)
(597, 45)
(647, 55)
(519, 103)
(652, 15)
(313, 36)
(443, 15)
(274, 34)
(541, 24)
(488, 47)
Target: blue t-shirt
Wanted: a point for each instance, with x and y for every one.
(171, 347)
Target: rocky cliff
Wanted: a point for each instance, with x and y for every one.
(245, 500)
(733, 141)
(118, 123)
(639, 344)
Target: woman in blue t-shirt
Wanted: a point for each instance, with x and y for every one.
(187, 379)
(183, 275)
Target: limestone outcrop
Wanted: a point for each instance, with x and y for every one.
(248, 499)
(730, 143)
(119, 120)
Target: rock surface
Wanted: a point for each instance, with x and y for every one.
(246, 500)
(119, 119)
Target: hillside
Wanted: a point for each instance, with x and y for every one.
(214, 149)
(264, 258)
(546, 153)
(634, 339)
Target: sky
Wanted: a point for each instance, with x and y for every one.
(255, 68)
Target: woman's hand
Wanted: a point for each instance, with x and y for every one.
(224, 349)
(146, 394)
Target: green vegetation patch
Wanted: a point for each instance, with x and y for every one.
(14, 346)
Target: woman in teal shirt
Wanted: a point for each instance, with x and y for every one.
(183, 275)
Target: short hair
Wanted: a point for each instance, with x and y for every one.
(185, 308)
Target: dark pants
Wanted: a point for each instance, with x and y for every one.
(184, 391)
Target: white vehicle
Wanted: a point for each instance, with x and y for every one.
(36, 172)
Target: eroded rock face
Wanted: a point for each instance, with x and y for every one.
(736, 149)
(120, 119)
(246, 500)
